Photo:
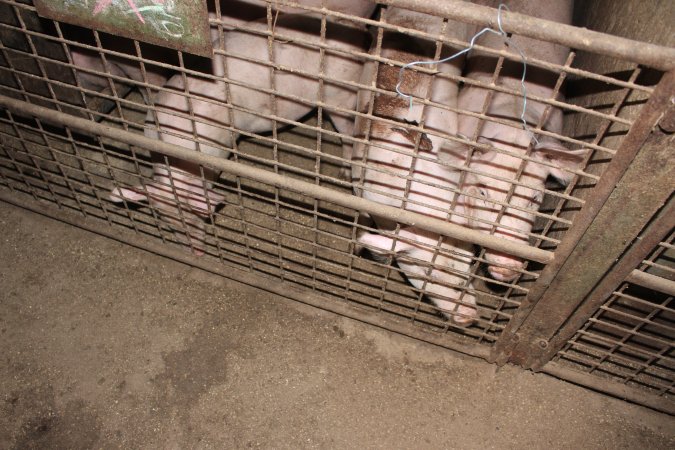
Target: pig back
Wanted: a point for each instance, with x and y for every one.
(298, 65)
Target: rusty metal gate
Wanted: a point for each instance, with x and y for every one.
(592, 304)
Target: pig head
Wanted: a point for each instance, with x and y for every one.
(506, 186)
(436, 265)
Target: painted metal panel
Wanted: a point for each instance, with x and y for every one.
(179, 24)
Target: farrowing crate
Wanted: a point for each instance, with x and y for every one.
(594, 303)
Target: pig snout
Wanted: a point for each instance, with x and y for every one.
(503, 267)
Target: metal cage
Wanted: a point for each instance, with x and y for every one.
(593, 302)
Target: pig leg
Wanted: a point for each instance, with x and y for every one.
(190, 231)
(179, 198)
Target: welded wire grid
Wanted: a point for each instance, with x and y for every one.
(631, 337)
(282, 234)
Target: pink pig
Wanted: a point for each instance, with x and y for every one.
(177, 190)
(433, 263)
(488, 192)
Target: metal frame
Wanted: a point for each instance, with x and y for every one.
(530, 323)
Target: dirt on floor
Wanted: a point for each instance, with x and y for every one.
(107, 346)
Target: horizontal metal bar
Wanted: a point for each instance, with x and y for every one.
(270, 178)
(489, 51)
(633, 300)
(613, 388)
(658, 57)
(625, 347)
(366, 56)
(342, 160)
(613, 365)
(563, 105)
(650, 281)
(662, 267)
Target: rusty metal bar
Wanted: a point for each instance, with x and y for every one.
(653, 282)
(658, 57)
(633, 395)
(658, 104)
(644, 189)
(267, 177)
(232, 272)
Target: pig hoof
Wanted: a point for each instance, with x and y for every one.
(463, 321)
(115, 196)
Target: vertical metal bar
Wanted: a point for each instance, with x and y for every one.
(53, 153)
(271, 44)
(651, 113)
(26, 151)
(317, 158)
(429, 79)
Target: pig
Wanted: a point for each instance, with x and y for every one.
(441, 270)
(234, 13)
(488, 191)
(177, 190)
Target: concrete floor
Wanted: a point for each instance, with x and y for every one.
(107, 346)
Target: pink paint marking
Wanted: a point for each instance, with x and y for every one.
(103, 4)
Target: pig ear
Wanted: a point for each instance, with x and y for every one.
(563, 159)
(118, 195)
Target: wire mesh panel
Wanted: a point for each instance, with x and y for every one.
(631, 336)
(361, 154)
